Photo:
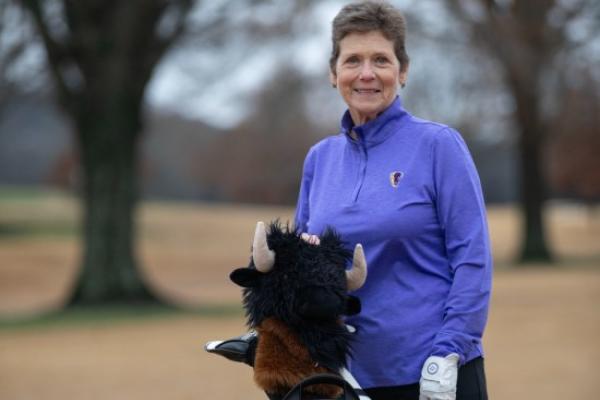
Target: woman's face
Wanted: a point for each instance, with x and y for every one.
(367, 74)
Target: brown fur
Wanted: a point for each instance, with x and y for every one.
(282, 361)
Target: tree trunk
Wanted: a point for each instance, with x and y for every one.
(533, 196)
(108, 146)
(101, 56)
(532, 187)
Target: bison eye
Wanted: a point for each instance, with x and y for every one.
(319, 303)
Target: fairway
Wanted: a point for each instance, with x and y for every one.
(541, 340)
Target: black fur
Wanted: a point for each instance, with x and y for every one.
(306, 290)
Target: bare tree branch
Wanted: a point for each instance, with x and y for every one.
(57, 54)
(163, 41)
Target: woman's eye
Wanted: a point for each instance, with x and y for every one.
(381, 60)
(352, 60)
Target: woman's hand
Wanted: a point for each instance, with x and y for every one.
(438, 378)
(312, 239)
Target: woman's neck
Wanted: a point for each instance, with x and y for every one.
(361, 119)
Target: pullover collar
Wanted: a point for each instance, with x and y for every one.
(377, 130)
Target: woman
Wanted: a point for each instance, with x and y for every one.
(407, 190)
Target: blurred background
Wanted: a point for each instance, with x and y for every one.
(140, 142)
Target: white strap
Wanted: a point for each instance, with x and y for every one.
(350, 379)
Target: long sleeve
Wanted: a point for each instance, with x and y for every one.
(302, 206)
(461, 213)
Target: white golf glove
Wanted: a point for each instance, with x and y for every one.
(438, 378)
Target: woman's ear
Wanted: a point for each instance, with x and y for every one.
(403, 77)
(333, 78)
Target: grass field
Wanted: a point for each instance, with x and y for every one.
(541, 341)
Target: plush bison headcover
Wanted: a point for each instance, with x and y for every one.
(294, 295)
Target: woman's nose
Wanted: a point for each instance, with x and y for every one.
(366, 72)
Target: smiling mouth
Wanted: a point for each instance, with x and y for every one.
(366, 91)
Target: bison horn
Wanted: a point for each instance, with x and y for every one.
(357, 276)
(263, 257)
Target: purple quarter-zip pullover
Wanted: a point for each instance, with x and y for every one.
(408, 190)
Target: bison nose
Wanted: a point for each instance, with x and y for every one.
(319, 303)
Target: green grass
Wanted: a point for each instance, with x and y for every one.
(102, 315)
(36, 211)
(38, 228)
(110, 315)
(9, 193)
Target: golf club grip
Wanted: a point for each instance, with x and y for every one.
(329, 379)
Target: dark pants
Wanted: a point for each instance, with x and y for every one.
(470, 386)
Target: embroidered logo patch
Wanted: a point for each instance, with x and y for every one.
(395, 178)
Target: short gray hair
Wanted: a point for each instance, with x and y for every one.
(367, 16)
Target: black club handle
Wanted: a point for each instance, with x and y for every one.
(330, 379)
